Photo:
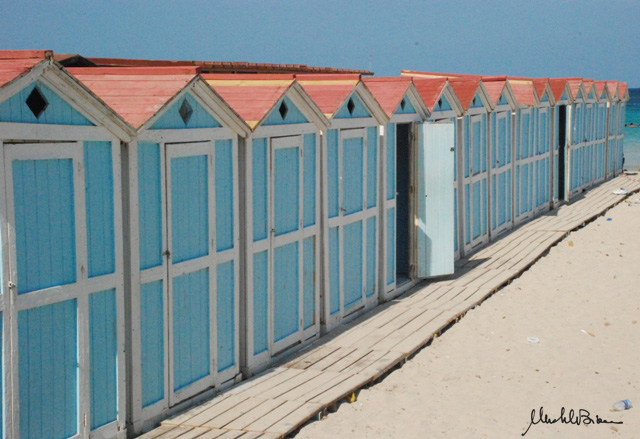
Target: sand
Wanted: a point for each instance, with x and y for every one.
(482, 378)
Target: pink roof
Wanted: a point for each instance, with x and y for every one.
(438, 75)
(135, 93)
(328, 91)
(574, 85)
(539, 84)
(622, 88)
(251, 96)
(588, 84)
(14, 63)
(465, 89)
(600, 86)
(494, 90)
(612, 86)
(557, 87)
(523, 90)
(388, 91)
(430, 90)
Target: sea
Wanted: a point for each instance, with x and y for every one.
(632, 135)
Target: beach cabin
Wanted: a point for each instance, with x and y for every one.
(474, 176)
(525, 149)
(542, 148)
(613, 167)
(443, 105)
(623, 94)
(578, 137)
(62, 310)
(600, 132)
(281, 182)
(589, 156)
(351, 188)
(560, 118)
(501, 121)
(183, 236)
(400, 238)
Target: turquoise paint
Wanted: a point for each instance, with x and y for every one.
(150, 205)
(292, 116)
(171, 119)
(408, 106)
(372, 260)
(260, 302)
(483, 144)
(467, 147)
(442, 105)
(467, 214)
(309, 276)
(43, 195)
(564, 96)
(391, 161)
(103, 352)
(503, 99)
(359, 110)
(226, 315)
(286, 190)
(476, 102)
(353, 264)
(476, 146)
(286, 298)
(57, 112)
(191, 332)
(48, 371)
(152, 342)
(224, 195)
(391, 245)
(333, 173)
(544, 98)
(99, 202)
(352, 174)
(372, 166)
(476, 206)
(309, 208)
(259, 189)
(189, 208)
(2, 381)
(334, 270)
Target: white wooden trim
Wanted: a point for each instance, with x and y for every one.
(38, 132)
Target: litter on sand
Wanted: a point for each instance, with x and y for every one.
(532, 339)
(621, 191)
(587, 332)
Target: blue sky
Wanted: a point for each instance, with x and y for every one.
(589, 38)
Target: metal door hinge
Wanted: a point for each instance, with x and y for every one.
(11, 285)
(166, 253)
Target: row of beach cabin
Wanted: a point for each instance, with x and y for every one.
(167, 233)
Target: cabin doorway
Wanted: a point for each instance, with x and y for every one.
(562, 137)
(404, 176)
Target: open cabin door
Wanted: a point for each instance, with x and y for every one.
(435, 200)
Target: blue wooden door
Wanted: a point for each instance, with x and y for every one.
(501, 172)
(352, 172)
(66, 289)
(286, 242)
(475, 185)
(191, 268)
(542, 161)
(435, 200)
(525, 166)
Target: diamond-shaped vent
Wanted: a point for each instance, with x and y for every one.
(402, 104)
(439, 102)
(185, 111)
(283, 110)
(351, 106)
(36, 102)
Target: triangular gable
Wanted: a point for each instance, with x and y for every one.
(544, 97)
(503, 99)
(195, 116)
(476, 102)
(285, 113)
(56, 110)
(442, 104)
(604, 95)
(407, 108)
(564, 96)
(352, 108)
(592, 95)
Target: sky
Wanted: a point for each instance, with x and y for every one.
(537, 38)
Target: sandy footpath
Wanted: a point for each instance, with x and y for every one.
(482, 378)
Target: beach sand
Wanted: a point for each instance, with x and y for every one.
(482, 378)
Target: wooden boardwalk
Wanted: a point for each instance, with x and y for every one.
(280, 400)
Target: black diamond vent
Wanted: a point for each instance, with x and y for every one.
(283, 110)
(185, 111)
(351, 106)
(402, 104)
(36, 102)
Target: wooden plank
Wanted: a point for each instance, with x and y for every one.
(175, 432)
(158, 432)
(295, 419)
(382, 365)
(212, 434)
(231, 415)
(341, 390)
(332, 358)
(267, 375)
(212, 412)
(253, 415)
(263, 387)
(348, 360)
(274, 416)
(314, 387)
(192, 412)
(311, 357)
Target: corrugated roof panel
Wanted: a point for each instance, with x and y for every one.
(494, 90)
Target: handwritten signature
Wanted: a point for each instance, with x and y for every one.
(582, 416)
